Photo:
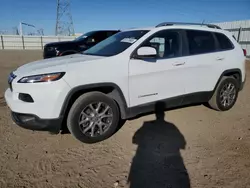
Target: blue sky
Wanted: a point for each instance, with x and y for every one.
(116, 14)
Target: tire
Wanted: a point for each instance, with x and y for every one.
(81, 111)
(216, 102)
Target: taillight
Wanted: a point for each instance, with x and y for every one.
(245, 52)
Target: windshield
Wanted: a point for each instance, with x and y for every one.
(116, 43)
(84, 36)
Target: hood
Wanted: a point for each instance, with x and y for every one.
(60, 44)
(53, 63)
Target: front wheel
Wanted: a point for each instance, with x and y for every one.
(93, 117)
(225, 94)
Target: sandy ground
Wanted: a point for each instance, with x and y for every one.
(192, 147)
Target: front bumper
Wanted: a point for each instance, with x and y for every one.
(242, 85)
(49, 54)
(32, 122)
(48, 98)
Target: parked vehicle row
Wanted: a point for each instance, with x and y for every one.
(125, 75)
(80, 44)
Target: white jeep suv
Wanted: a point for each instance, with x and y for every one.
(126, 75)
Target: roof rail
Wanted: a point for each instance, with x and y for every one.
(184, 23)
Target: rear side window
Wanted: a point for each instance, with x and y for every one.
(224, 42)
(200, 42)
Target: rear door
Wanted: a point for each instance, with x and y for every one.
(229, 59)
(203, 62)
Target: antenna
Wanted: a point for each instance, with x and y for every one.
(64, 21)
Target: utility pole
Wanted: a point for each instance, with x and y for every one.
(26, 24)
(21, 28)
(64, 21)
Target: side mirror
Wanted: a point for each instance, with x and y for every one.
(146, 52)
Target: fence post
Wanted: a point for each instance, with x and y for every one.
(42, 42)
(238, 39)
(2, 42)
(23, 42)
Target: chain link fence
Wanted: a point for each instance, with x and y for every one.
(241, 31)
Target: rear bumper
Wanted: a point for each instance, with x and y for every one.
(32, 122)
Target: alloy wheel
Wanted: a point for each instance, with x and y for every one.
(228, 94)
(95, 119)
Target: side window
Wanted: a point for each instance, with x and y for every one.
(224, 42)
(200, 42)
(166, 43)
(99, 36)
(159, 44)
(110, 33)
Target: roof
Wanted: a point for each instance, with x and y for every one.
(140, 28)
(187, 23)
(196, 27)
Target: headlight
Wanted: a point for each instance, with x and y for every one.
(42, 78)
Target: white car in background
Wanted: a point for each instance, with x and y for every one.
(126, 75)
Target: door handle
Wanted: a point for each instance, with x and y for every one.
(220, 58)
(178, 63)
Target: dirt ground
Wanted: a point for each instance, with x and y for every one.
(193, 147)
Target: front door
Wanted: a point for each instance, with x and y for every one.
(163, 77)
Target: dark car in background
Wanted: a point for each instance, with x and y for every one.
(80, 44)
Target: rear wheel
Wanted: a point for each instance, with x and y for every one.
(93, 117)
(225, 94)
